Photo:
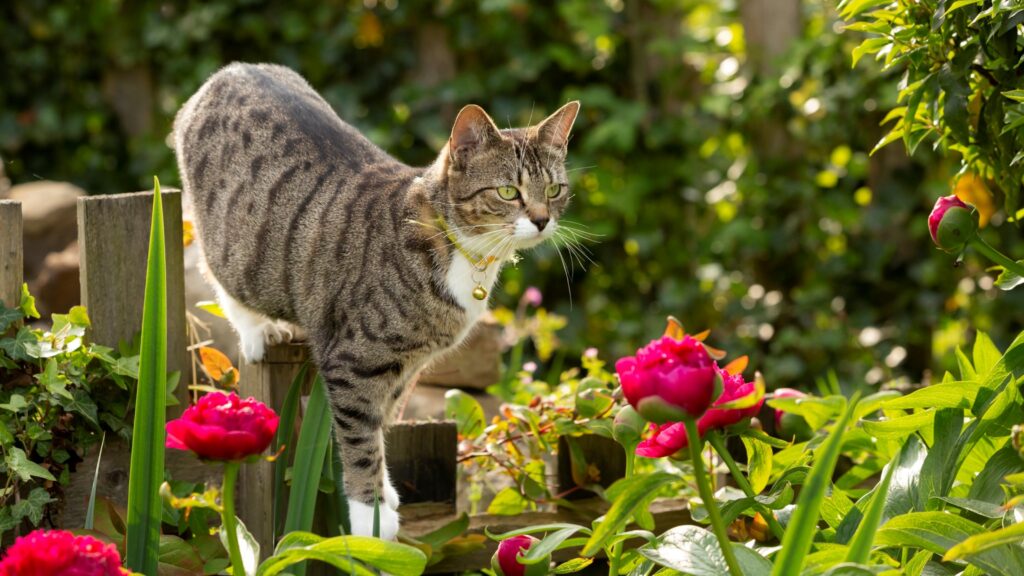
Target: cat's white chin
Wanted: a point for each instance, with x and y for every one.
(360, 517)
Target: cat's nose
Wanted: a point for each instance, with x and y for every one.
(540, 223)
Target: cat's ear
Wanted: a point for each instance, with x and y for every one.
(554, 130)
(473, 130)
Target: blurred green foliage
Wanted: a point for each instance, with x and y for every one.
(736, 199)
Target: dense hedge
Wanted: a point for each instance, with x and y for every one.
(735, 201)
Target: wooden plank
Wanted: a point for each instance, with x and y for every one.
(11, 257)
(604, 454)
(113, 235)
(421, 461)
(268, 382)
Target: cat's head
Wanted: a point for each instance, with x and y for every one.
(506, 189)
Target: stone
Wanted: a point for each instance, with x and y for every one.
(56, 286)
(50, 214)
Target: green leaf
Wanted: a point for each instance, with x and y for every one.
(1008, 536)
(466, 411)
(939, 468)
(1008, 280)
(696, 552)
(540, 551)
(32, 507)
(28, 304)
(572, 566)
(944, 395)
(390, 557)
(249, 548)
(17, 462)
(145, 510)
(1017, 95)
(759, 462)
(8, 316)
(802, 525)
(899, 427)
(83, 404)
(212, 307)
(960, 4)
(16, 403)
(283, 438)
(860, 546)
(939, 532)
(816, 411)
(17, 348)
(508, 502)
(988, 484)
(439, 537)
(90, 509)
(54, 382)
(314, 440)
(631, 493)
(534, 530)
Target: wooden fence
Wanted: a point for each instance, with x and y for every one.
(113, 238)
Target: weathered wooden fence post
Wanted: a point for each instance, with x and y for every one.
(113, 235)
(10, 252)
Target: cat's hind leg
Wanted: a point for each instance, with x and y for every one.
(254, 330)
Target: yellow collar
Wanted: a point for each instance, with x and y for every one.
(478, 261)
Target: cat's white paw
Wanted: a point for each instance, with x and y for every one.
(361, 519)
(390, 494)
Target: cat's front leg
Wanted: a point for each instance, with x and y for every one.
(359, 419)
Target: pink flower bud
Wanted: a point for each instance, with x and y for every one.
(532, 296)
(951, 224)
(505, 561)
(669, 380)
(223, 427)
(49, 552)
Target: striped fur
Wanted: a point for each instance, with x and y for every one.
(303, 220)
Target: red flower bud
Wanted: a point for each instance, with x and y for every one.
(223, 427)
(788, 425)
(669, 379)
(951, 224)
(49, 552)
(505, 561)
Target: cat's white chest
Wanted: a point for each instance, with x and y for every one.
(462, 280)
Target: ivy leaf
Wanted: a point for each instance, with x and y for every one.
(8, 316)
(508, 502)
(80, 402)
(15, 404)
(28, 303)
(33, 506)
(466, 411)
(17, 347)
(1008, 280)
(54, 382)
(18, 463)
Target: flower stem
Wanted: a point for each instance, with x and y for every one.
(696, 445)
(996, 256)
(718, 443)
(615, 558)
(229, 522)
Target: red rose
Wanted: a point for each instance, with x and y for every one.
(223, 427)
(47, 553)
(505, 561)
(671, 437)
(669, 379)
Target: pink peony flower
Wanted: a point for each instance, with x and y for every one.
(223, 427)
(48, 553)
(670, 438)
(669, 380)
(951, 223)
(505, 562)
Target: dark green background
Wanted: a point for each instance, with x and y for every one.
(724, 195)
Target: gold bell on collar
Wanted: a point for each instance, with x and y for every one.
(480, 293)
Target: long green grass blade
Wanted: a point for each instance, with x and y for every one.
(284, 437)
(864, 538)
(90, 510)
(310, 452)
(802, 526)
(147, 459)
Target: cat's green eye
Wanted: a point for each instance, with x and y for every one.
(553, 190)
(508, 192)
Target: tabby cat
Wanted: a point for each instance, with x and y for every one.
(305, 224)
